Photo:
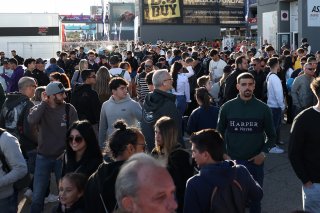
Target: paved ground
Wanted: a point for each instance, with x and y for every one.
(282, 189)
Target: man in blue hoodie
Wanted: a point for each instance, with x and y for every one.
(208, 150)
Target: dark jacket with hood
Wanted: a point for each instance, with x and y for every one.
(230, 91)
(13, 118)
(40, 76)
(157, 104)
(102, 182)
(87, 103)
(200, 187)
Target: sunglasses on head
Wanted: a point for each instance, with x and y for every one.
(77, 139)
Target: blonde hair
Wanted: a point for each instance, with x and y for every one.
(169, 135)
(102, 84)
(81, 64)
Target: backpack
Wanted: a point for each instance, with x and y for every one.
(119, 75)
(205, 65)
(264, 96)
(21, 183)
(229, 198)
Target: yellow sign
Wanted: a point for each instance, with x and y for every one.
(163, 9)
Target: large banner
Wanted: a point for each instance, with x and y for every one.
(217, 12)
(313, 13)
(122, 15)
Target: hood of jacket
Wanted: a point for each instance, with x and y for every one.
(19, 69)
(15, 98)
(82, 88)
(154, 100)
(220, 173)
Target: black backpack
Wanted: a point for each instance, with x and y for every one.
(229, 198)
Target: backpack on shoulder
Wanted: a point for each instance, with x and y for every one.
(229, 198)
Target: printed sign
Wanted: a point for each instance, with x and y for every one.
(218, 12)
(313, 13)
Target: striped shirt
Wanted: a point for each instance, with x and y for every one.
(142, 86)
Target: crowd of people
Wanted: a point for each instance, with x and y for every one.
(172, 127)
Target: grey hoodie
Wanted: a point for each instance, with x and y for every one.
(9, 146)
(126, 109)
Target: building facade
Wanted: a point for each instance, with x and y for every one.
(285, 22)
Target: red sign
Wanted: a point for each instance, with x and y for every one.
(252, 20)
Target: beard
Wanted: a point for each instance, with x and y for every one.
(247, 93)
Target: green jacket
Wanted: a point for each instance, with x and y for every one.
(247, 128)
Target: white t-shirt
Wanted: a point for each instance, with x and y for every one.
(216, 69)
(117, 71)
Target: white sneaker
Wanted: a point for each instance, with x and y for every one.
(276, 150)
(28, 194)
(51, 198)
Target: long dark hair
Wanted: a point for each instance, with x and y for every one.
(175, 69)
(287, 63)
(86, 130)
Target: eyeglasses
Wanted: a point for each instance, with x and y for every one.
(142, 144)
(77, 139)
(311, 69)
(169, 79)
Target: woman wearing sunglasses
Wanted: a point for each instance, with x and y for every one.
(178, 160)
(100, 191)
(83, 154)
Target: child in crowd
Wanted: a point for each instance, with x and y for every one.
(71, 189)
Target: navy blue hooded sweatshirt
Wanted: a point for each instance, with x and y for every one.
(200, 187)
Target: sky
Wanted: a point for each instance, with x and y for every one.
(63, 7)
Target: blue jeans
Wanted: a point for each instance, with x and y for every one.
(311, 198)
(42, 175)
(257, 172)
(181, 103)
(9, 204)
(277, 116)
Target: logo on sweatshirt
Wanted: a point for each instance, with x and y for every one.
(148, 116)
(249, 125)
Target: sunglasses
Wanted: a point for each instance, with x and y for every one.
(77, 139)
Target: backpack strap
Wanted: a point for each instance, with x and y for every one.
(122, 73)
(67, 108)
(78, 76)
